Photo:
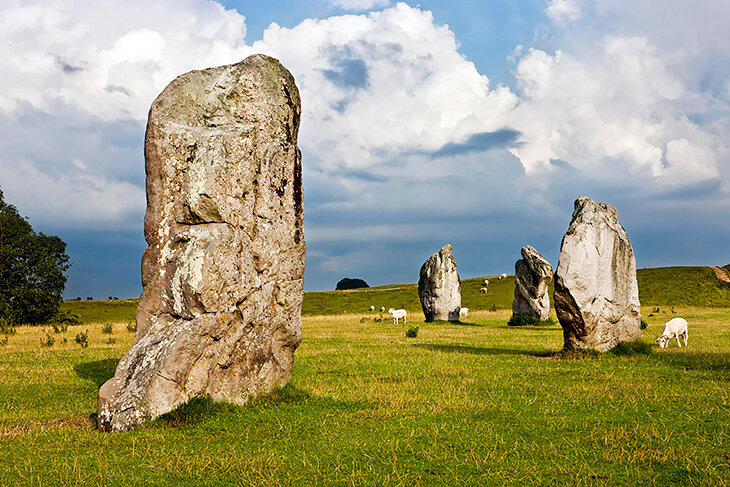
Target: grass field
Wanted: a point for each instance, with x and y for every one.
(667, 286)
(461, 404)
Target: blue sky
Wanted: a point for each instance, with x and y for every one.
(470, 123)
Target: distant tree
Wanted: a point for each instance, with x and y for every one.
(348, 283)
(32, 269)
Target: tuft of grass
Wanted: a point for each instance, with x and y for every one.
(523, 320)
(636, 347)
(644, 325)
(6, 328)
(576, 354)
(4, 341)
(82, 338)
(59, 327)
(47, 341)
(132, 326)
(412, 332)
(107, 328)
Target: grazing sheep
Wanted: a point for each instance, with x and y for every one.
(486, 282)
(502, 276)
(398, 314)
(372, 308)
(673, 328)
(483, 290)
(382, 309)
(463, 312)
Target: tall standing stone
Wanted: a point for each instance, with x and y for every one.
(439, 287)
(533, 274)
(596, 294)
(222, 276)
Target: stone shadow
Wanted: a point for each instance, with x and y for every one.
(97, 372)
(717, 363)
(434, 347)
(288, 400)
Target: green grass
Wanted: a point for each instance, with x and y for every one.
(100, 311)
(686, 286)
(462, 404)
(667, 286)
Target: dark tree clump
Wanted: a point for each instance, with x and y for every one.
(32, 270)
(348, 283)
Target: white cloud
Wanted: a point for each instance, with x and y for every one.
(563, 11)
(620, 106)
(359, 5)
(108, 58)
(378, 85)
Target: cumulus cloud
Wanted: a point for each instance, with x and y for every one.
(382, 84)
(622, 107)
(109, 59)
(359, 5)
(78, 80)
(563, 11)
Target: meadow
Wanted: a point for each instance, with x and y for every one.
(475, 403)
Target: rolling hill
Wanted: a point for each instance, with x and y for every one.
(661, 286)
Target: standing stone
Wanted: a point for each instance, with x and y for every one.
(533, 274)
(439, 287)
(596, 294)
(222, 276)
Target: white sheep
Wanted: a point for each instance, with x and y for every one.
(463, 312)
(502, 276)
(486, 282)
(382, 309)
(398, 314)
(483, 290)
(673, 329)
(372, 308)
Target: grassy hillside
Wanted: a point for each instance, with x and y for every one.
(689, 286)
(461, 404)
(664, 286)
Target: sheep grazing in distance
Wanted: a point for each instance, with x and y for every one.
(382, 309)
(463, 312)
(673, 329)
(372, 308)
(502, 276)
(486, 282)
(398, 314)
(483, 290)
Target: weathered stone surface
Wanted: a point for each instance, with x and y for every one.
(533, 274)
(220, 313)
(439, 287)
(596, 294)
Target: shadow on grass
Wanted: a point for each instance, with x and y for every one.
(466, 323)
(203, 408)
(480, 350)
(97, 372)
(714, 362)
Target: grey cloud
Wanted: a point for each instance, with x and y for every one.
(118, 89)
(479, 142)
(66, 67)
